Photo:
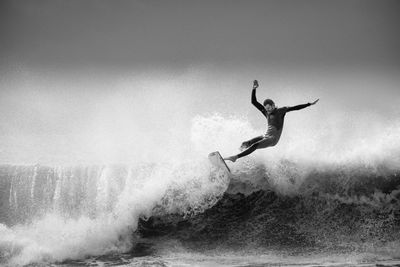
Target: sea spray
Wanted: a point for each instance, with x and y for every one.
(57, 213)
(348, 144)
(95, 210)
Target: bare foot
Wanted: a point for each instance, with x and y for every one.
(233, 158)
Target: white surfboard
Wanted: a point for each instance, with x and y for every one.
(216, 160)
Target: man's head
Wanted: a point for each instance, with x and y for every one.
(269, 105)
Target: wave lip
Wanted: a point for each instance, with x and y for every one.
(327, 212)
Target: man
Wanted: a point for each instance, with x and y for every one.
(275, 117)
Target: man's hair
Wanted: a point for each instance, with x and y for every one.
(268, 102)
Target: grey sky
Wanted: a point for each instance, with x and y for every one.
(139, 34)
(104, 80)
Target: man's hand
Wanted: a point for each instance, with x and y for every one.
(315, 102)
(255, 84)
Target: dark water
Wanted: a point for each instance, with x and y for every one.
(335, 216)
(360, 218)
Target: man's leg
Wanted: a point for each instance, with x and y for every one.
(247, 144)
(266, 142)
(248, 151)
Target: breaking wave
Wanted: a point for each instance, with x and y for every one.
(316, 188)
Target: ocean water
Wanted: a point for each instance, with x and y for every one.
(320, 198)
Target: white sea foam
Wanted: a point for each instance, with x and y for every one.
(93, 210)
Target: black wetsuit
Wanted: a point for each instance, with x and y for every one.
(275, 124)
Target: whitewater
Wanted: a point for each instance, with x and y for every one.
(115, 171)
(53, 214)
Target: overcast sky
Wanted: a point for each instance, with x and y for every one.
(77, 77)
(138, 34)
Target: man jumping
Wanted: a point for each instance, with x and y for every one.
(275, 117)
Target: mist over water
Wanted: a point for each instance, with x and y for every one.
(87, 158)
(114, 118)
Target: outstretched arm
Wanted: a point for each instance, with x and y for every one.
(298, 107)
(254, 99)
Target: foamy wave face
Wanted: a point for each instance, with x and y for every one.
(55, 238)
(93, 211)
(60, 213)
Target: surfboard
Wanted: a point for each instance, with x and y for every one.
(216, 160)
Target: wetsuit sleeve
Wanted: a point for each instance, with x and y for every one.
(298, 107)
(256, 103)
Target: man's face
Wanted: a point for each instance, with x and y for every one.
(269, 108)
